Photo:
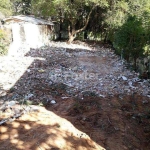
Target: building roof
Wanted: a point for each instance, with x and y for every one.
(31, 19)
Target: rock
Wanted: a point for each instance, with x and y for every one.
(41, 70)
(3, 121)
(65, 97)
(29, 96)
(28, 102)
(53, 102)
(11, 103)
(130, 83)
(100, 95)
(145, 102)
(28, 70)
(124, 78)
(7, 105)
(148, 96)
(2, 93)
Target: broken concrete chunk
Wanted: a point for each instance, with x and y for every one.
(11, 103)
(124, 78)
(29, 96)
(148, 96)
(53, 102)
(130, 83)
(145, 101)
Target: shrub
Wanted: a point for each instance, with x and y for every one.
(4, 42)
(130, 39)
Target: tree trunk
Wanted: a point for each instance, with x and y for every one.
(85, 35)
(105, 37)
(60, 31)
(72, 31)
(135, 67)
(71, 38)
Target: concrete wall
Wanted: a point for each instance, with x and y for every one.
(31, 34)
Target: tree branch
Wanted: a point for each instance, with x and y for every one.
(87, 20)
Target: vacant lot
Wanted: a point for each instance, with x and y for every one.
(85, 98)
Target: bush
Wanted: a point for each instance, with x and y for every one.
(4, 42)
(130, 39)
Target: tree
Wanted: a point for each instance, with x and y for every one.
(21, 7)
(138, 7)
(70, 10)
(131, 38)
(116, 14)
(5, 7)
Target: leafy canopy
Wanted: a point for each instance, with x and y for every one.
(5, 7)
(69, 8)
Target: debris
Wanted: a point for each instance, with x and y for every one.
(78, 67)
(16, 111)
(145, 102)
(53, 102)
(124, 78)
(41, 70)
(64, 97)
(79, 71)
(11, 103)
(28, 70)
(148, 96)
(29, 96)
(3, 121)
(77, 83)
(7, 105)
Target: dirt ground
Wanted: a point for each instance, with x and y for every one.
(93, 123)
(78, 119)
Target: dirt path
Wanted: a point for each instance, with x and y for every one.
(88, 100)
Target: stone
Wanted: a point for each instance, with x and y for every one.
(148, 96)
(28, 70)
(124, 78)
(11, 103)
(65, 97)
(145, 102)
(53, 102)
(29, 96)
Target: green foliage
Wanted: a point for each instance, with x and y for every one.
(147, 50)
(5, 7)
(131, 38)
(138, 7)
(76, 13)
(21, 7)
(69, 8)
(119, 10)
(4, 42)
(116, 13)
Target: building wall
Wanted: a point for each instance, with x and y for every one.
(31, 34)
(27, 35)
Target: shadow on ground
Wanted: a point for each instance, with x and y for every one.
(43, 130)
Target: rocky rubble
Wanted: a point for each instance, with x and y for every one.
(37, 74)
(11, 110)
